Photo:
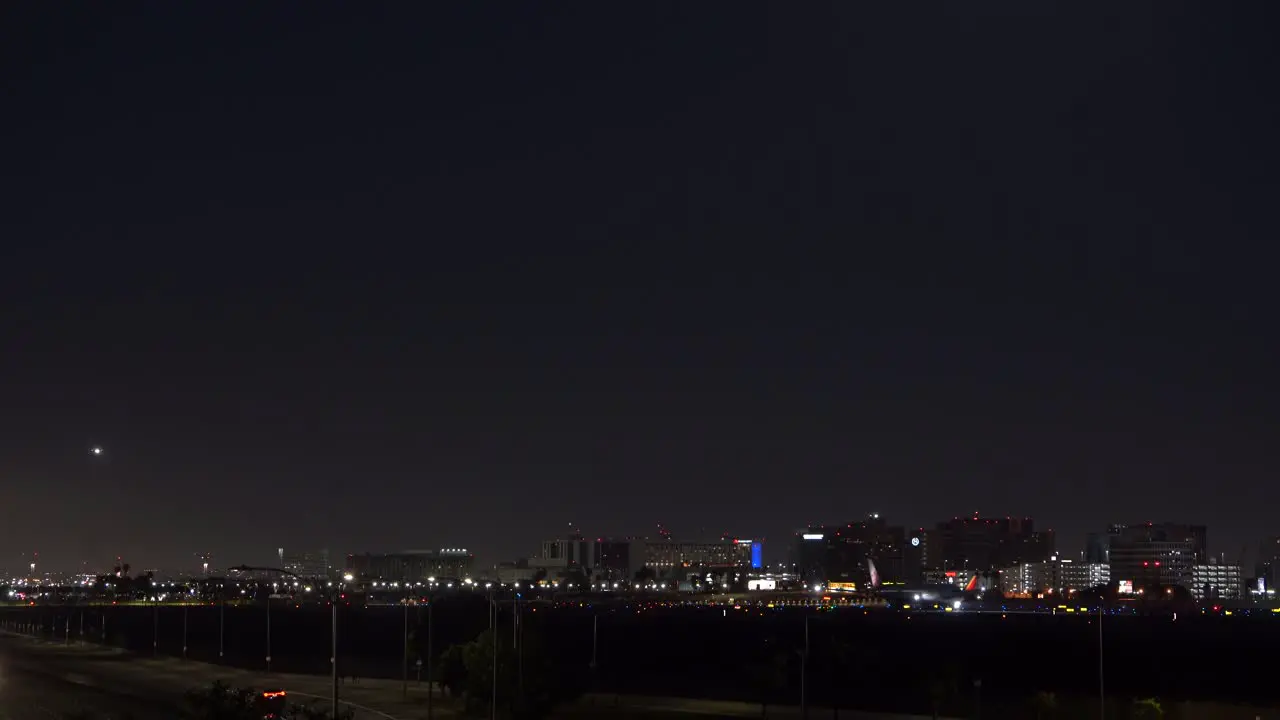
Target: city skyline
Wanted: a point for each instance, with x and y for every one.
(779, 549)
(355, 278)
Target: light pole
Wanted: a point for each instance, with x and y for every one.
(334, 635)
(251, 568)
(1102, 695)
(222, 618)
(519, 648)
(184, 631)
(493, 630)
(595, 634)
(404, 689)
(431, 602)
(269, 631)
(804, 672)
(155, 625)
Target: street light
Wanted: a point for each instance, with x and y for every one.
(269, 594)
(249, 568)
(1102, 694)
(804, 671)
(222, 615)
(493, 630)
(333, 603)
(404, 689)
(431, 603)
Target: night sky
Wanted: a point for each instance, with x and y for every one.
(458, 274)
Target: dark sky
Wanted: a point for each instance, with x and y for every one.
(409, 275)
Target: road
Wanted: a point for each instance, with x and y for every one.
(44, 680)
(35, 689)
(50, 680)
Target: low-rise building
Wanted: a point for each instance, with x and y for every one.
(1025, 579)
(1057, 575)
(839, 553)
(306, 563)
(613, 559)
(1068, 575)
(1216, 582)
(1156, 554)
(412, 565)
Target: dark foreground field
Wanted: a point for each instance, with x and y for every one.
(870, 660)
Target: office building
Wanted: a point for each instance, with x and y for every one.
(837, 554)
(1268, 569)
(1151, 554)
(1057, 575)
(978, 544)
(1097, 548)
(1071, 576)
(412, 565)
(312, 564)
(1025, 579)
(674, 558)
(603, 558)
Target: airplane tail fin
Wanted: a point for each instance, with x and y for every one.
(972, 585)
(875, 574)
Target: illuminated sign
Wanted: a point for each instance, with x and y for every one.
(812, 536)
(764, 584)
(915, 542)
(1125, 587)
(743, 542)
(846, 586)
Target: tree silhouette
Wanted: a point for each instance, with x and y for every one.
(942, 688)
(222, 702)
(451, 671)
(1045, 705)
(841, 659)
(770, 675)
(1147, 708)
(528, 687)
